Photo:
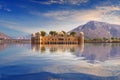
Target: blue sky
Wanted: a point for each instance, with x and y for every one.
(21, 17)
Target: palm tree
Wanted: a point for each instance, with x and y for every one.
(43, 33)
(53, 32)
(112, 38)
(73, 33)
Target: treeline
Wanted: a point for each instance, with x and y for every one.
(107, 40)
(53, 33)
(15, 41)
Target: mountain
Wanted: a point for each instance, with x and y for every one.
(95, 29)
(4, 36)
(23, 37)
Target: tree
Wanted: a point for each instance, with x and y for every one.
(43, 33)
(73, 33)
(53, 33)
(105, 39)
(112, 38)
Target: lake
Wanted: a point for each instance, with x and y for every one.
(89, 61)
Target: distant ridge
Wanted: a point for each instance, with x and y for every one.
(96, 29)
(4, 36)
(23, 37)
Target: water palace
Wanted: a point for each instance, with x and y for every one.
(59, 38)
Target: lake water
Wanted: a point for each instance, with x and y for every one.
(98, 61)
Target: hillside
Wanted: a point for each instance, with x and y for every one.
(4, 36)
(95, 29)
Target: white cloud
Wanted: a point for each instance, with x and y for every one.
(69, 19)
(99, 13)
(7, 22)
(2, 7)
(18, 27)
(76, 2)
(7, 9)
(70, 2)
(36, 13)
(12, 25)
(59, 15)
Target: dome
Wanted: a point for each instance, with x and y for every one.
(32, 34)
(38, 33)
(81, 33)
(60, 33)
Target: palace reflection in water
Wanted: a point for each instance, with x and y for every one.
(92, 52)
(97, 61)
(55, 48)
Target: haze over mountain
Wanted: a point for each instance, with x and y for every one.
(4, 36)
(23, 37)
(95, 29)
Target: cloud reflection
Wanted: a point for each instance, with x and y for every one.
(92, 52)
(94, 59)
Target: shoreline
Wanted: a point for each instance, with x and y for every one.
(29, 41)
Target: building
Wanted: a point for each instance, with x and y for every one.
(60, 38)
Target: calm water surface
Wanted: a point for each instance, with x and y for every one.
(60, 62)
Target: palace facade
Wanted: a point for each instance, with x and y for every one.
(59, 38)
